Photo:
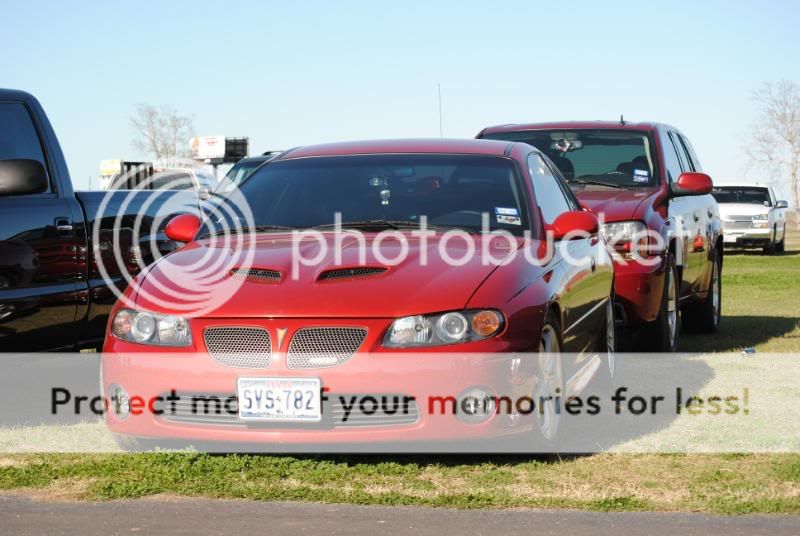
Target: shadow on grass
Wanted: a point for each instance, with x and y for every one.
(737, 332)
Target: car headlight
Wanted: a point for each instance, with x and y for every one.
(443, 328)
(627, 236)
(761, 217)
(151, 328)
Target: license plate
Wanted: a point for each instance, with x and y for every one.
(279, 399)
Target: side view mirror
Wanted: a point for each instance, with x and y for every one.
(22, 176)
(577, 222)
(204, 193)
(692, 184)
(782, 204)
(183, 228)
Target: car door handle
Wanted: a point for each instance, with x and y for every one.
(63, 227)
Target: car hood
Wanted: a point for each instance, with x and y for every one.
(409, 287)
(741, 209)
(614, 205)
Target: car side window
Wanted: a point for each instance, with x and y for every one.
(676, 144)
(550, 198)
(18, 136)
(693, 160)
(671, 161)
(572, 201)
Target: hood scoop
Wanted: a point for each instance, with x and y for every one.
(351, 273)
(257, 275)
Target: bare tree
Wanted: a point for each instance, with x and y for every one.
(775, 136)
(161, 132)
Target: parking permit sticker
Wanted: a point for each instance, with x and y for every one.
(506, 211)
(509, 220)
(641, 175)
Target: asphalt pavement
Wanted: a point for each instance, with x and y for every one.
(21, 516)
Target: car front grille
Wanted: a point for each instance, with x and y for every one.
(241, 347)
(732, 225)
(323, 347)
(223, 410)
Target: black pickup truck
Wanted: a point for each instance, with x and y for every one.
(52, 293)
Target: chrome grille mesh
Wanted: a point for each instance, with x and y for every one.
(239, 346)
(323, 347)
(345, 273)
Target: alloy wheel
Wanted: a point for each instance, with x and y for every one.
(550, 384)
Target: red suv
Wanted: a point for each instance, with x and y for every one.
(645, 183)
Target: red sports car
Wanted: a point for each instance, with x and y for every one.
(377, 270)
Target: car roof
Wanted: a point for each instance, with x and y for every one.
(15, 94)
(410, 146)
(574, 125)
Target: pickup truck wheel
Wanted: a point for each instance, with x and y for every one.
(771, 247)
(780, 247)
(705, 316)
(662, 334)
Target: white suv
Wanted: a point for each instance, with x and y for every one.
(751, 217)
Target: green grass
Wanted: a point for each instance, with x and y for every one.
(761, 308)
(605, 482)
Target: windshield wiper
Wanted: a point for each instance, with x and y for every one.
(594, 183)
(367, 225)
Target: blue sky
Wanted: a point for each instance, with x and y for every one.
(293, 73)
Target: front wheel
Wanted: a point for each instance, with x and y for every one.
(780, 247)
(549, 393)
(662, 334)
(705, 316)
(608, 346)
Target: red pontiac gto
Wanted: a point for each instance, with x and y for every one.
(439, 279)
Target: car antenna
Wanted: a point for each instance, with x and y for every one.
(621, 120)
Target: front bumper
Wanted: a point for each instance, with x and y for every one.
(750, 237)
(639, 288)
(425, 377)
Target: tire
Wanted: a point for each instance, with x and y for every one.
(661, 335)
(770, 248)
(780, 247)
(607, 348)
(705, 316)
(549, 383)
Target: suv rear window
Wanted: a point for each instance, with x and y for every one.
(620, 158)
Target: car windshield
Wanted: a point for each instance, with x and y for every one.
(385, 191)
(754, 196)
(237, 174)
(594, 156)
